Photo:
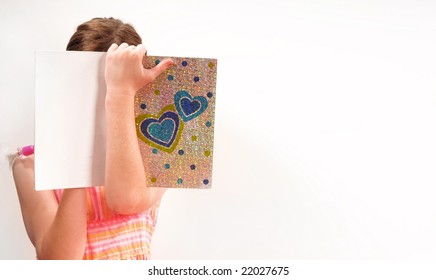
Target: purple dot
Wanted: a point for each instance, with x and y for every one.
(209, 94)
(143, 106)
(192, 167)
(205, 181)
(196, 79)
(181, 152)
(184, 63)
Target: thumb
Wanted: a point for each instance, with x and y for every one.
(154, 72)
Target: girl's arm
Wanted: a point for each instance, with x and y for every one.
(125, 181)
(57, 231)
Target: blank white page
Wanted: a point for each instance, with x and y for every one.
(69, 119)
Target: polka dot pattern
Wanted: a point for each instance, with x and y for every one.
(188, 164)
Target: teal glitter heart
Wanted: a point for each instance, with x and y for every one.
(189, 107)
(162, 131)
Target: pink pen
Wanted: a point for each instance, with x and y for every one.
(26, 150)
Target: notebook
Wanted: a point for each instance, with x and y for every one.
(174, 118)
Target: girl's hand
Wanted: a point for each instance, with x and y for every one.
(124, 72)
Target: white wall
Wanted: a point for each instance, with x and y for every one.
(325, 123)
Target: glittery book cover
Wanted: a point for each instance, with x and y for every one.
(175, 123)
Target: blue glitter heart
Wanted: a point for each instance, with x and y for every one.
(162, 131)
(189, 107)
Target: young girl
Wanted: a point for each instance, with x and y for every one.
(115, 221)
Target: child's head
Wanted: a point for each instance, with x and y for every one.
(98, 34)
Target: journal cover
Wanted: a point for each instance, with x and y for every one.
(175, 123)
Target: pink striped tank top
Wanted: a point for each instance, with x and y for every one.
(112, 236)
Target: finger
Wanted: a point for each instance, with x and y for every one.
(112, 48)
(140, 50)
(160, 68)
(123, 46)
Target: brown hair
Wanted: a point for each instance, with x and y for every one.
(98, 34)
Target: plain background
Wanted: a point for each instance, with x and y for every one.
(325, 140)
